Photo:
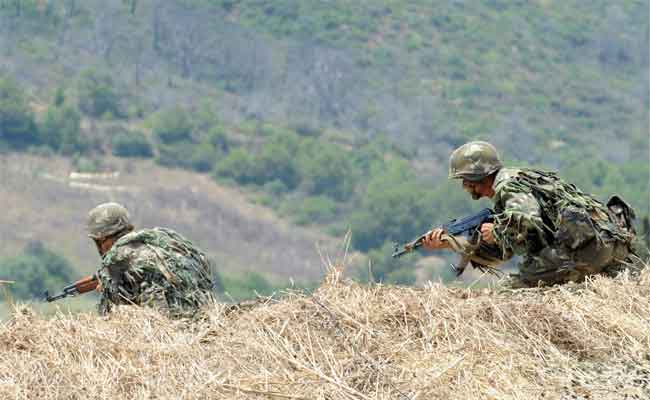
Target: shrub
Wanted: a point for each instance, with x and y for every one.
(61, 130)
(171, 126)
(203, 158)
(307, 129)
(311, 210)
(59, 97)
(276, 187)
(404, 276)
(395, 207)
(385, 268)
(237, 165)
(85, 164)
(414, 41)
(35, 271)
(97, 95)
(247, 286)
(17, 127)
(131, 144)
(275, 162)
(175, 155)
(326, 170)
(218, 139)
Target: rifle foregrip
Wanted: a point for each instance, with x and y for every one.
(87, 284)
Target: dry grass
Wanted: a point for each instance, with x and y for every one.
(348, 341)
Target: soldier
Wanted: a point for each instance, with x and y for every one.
(148, 267)
(562, 233)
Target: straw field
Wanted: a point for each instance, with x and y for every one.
(348, 341)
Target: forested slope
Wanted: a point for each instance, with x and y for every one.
(337, 114)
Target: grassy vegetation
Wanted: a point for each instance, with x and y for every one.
(314, 178)
(567, 67)
(558, 84)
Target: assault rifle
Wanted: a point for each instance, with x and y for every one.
(469, 226)
(81, 286)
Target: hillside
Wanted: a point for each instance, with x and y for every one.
(566, 76)
(42, 202)
(330, 116)
(348, 341)
(562, 84)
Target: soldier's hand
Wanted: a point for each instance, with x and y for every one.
(99, 287)
(487, 233)
(433, 241)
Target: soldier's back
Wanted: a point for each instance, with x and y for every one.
(159, 268)
(575, 234)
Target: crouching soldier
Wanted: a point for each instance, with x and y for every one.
(148, 267)
(562, 233)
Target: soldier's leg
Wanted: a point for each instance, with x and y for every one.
(607, 256)
(551, 265)
(557, 264)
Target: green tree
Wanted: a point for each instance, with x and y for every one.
(247, 286)
(175, 155)
(131, 144)
(326, 169)
(218, 139)
(237, 165)
(203, 158)
(395, 207)
(205, 115)
(17, 127)
(311, 210)
(36, 270)
(172, 126)
(275, 161)
(59, 97)
(97, 95)
(61, 130)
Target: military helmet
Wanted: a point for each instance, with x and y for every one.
(107, 220)
(474, 161)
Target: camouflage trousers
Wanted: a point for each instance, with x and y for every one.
(172, 303)
(560, 264)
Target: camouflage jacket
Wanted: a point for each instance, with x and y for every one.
(157, 268)
(536, 208)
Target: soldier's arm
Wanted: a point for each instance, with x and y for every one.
(121, 275)
(520, 220)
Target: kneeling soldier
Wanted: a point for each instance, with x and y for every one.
(149, 267)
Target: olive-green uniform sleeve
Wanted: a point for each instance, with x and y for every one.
(116, 289)
(518, 223)
(130, 276)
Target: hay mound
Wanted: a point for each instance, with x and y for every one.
(348, 341)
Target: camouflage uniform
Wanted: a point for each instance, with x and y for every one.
(562, 233)
(150, 267)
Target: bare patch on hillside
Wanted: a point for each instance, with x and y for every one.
(41, 200)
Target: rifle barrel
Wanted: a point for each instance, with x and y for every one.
(50, 299)
(408, 247)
